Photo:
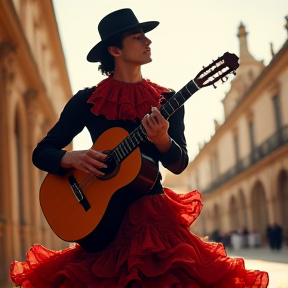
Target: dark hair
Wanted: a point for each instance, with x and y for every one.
(107, 63)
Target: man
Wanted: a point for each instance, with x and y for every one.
(153, 246)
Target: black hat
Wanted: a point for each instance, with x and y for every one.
(114, 24)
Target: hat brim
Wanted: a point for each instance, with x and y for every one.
(95, 53)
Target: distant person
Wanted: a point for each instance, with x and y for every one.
(278, 236)
(270, 236)
(245, 234)
(153, 246)
(216, 236)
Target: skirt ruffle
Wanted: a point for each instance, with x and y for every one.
(153, 248)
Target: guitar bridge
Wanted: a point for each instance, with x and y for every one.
(78, 193)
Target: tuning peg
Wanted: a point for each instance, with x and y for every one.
(214, 86)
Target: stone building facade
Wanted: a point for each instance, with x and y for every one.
(242, 171)
(34, 86)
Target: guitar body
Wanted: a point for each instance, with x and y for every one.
(108, 199)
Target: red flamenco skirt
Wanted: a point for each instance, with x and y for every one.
(153, 249)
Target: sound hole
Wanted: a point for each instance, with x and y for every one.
(113, 166)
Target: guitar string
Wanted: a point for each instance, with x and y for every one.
(139, 135)
(88, 179)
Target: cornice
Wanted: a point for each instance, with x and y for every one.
(260, 84)
(55, 42)
(24, 56)
(256, 168)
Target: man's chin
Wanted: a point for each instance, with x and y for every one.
(148, 61)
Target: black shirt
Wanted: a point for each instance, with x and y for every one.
(76, 115)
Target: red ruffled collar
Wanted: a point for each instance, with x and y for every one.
(126, 101)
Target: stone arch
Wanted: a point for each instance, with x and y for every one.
(243, 221)
(282, 189)
(259, 209)
(215, 220)
(216, 217)
(208, 224)
(202, 224)
(234, 214)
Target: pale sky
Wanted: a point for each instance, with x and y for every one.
(191, 34)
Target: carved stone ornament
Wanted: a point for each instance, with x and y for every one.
(31, 98)
(7, 61)
(6, 49)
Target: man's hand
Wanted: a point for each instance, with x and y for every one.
(88, 161)
(156, 127)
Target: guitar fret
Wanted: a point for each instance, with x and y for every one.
(195, 84)
(175, 99)
(188, 90)
(143, 131)
(132, 142)
(182, 95)
(140, 136)
(125, 148)
(135, 138)
(123, 152)
(128, 144)
(119, 153)
(171, 106)
(163, 107)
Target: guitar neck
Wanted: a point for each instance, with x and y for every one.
(178, 99)
(138, 136)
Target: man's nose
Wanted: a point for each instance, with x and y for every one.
(148, 41)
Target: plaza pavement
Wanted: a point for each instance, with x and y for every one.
(263, 253)
(263, 259)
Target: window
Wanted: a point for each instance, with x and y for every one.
(214, 165)
(251, 135)
(277, 112)
(236, 147)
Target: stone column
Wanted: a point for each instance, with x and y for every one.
(9, 239)
(249, 213)
(35, 119)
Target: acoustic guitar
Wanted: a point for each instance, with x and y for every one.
(89, 210)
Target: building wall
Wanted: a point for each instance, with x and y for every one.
(33, 91)
(249, 188)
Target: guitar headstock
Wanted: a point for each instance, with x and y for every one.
(217, 70)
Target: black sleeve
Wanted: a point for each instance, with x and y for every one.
(49, 152)
(176, 158)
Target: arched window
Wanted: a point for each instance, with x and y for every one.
(259, 210)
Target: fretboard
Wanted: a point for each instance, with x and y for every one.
(138, 136)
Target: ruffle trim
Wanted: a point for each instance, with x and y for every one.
(162, 254)
(126, 101)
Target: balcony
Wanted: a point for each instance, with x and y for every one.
(277, 140)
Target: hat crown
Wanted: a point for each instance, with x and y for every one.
(116, 21)
(113, 25)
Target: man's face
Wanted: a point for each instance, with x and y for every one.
(136, 49)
